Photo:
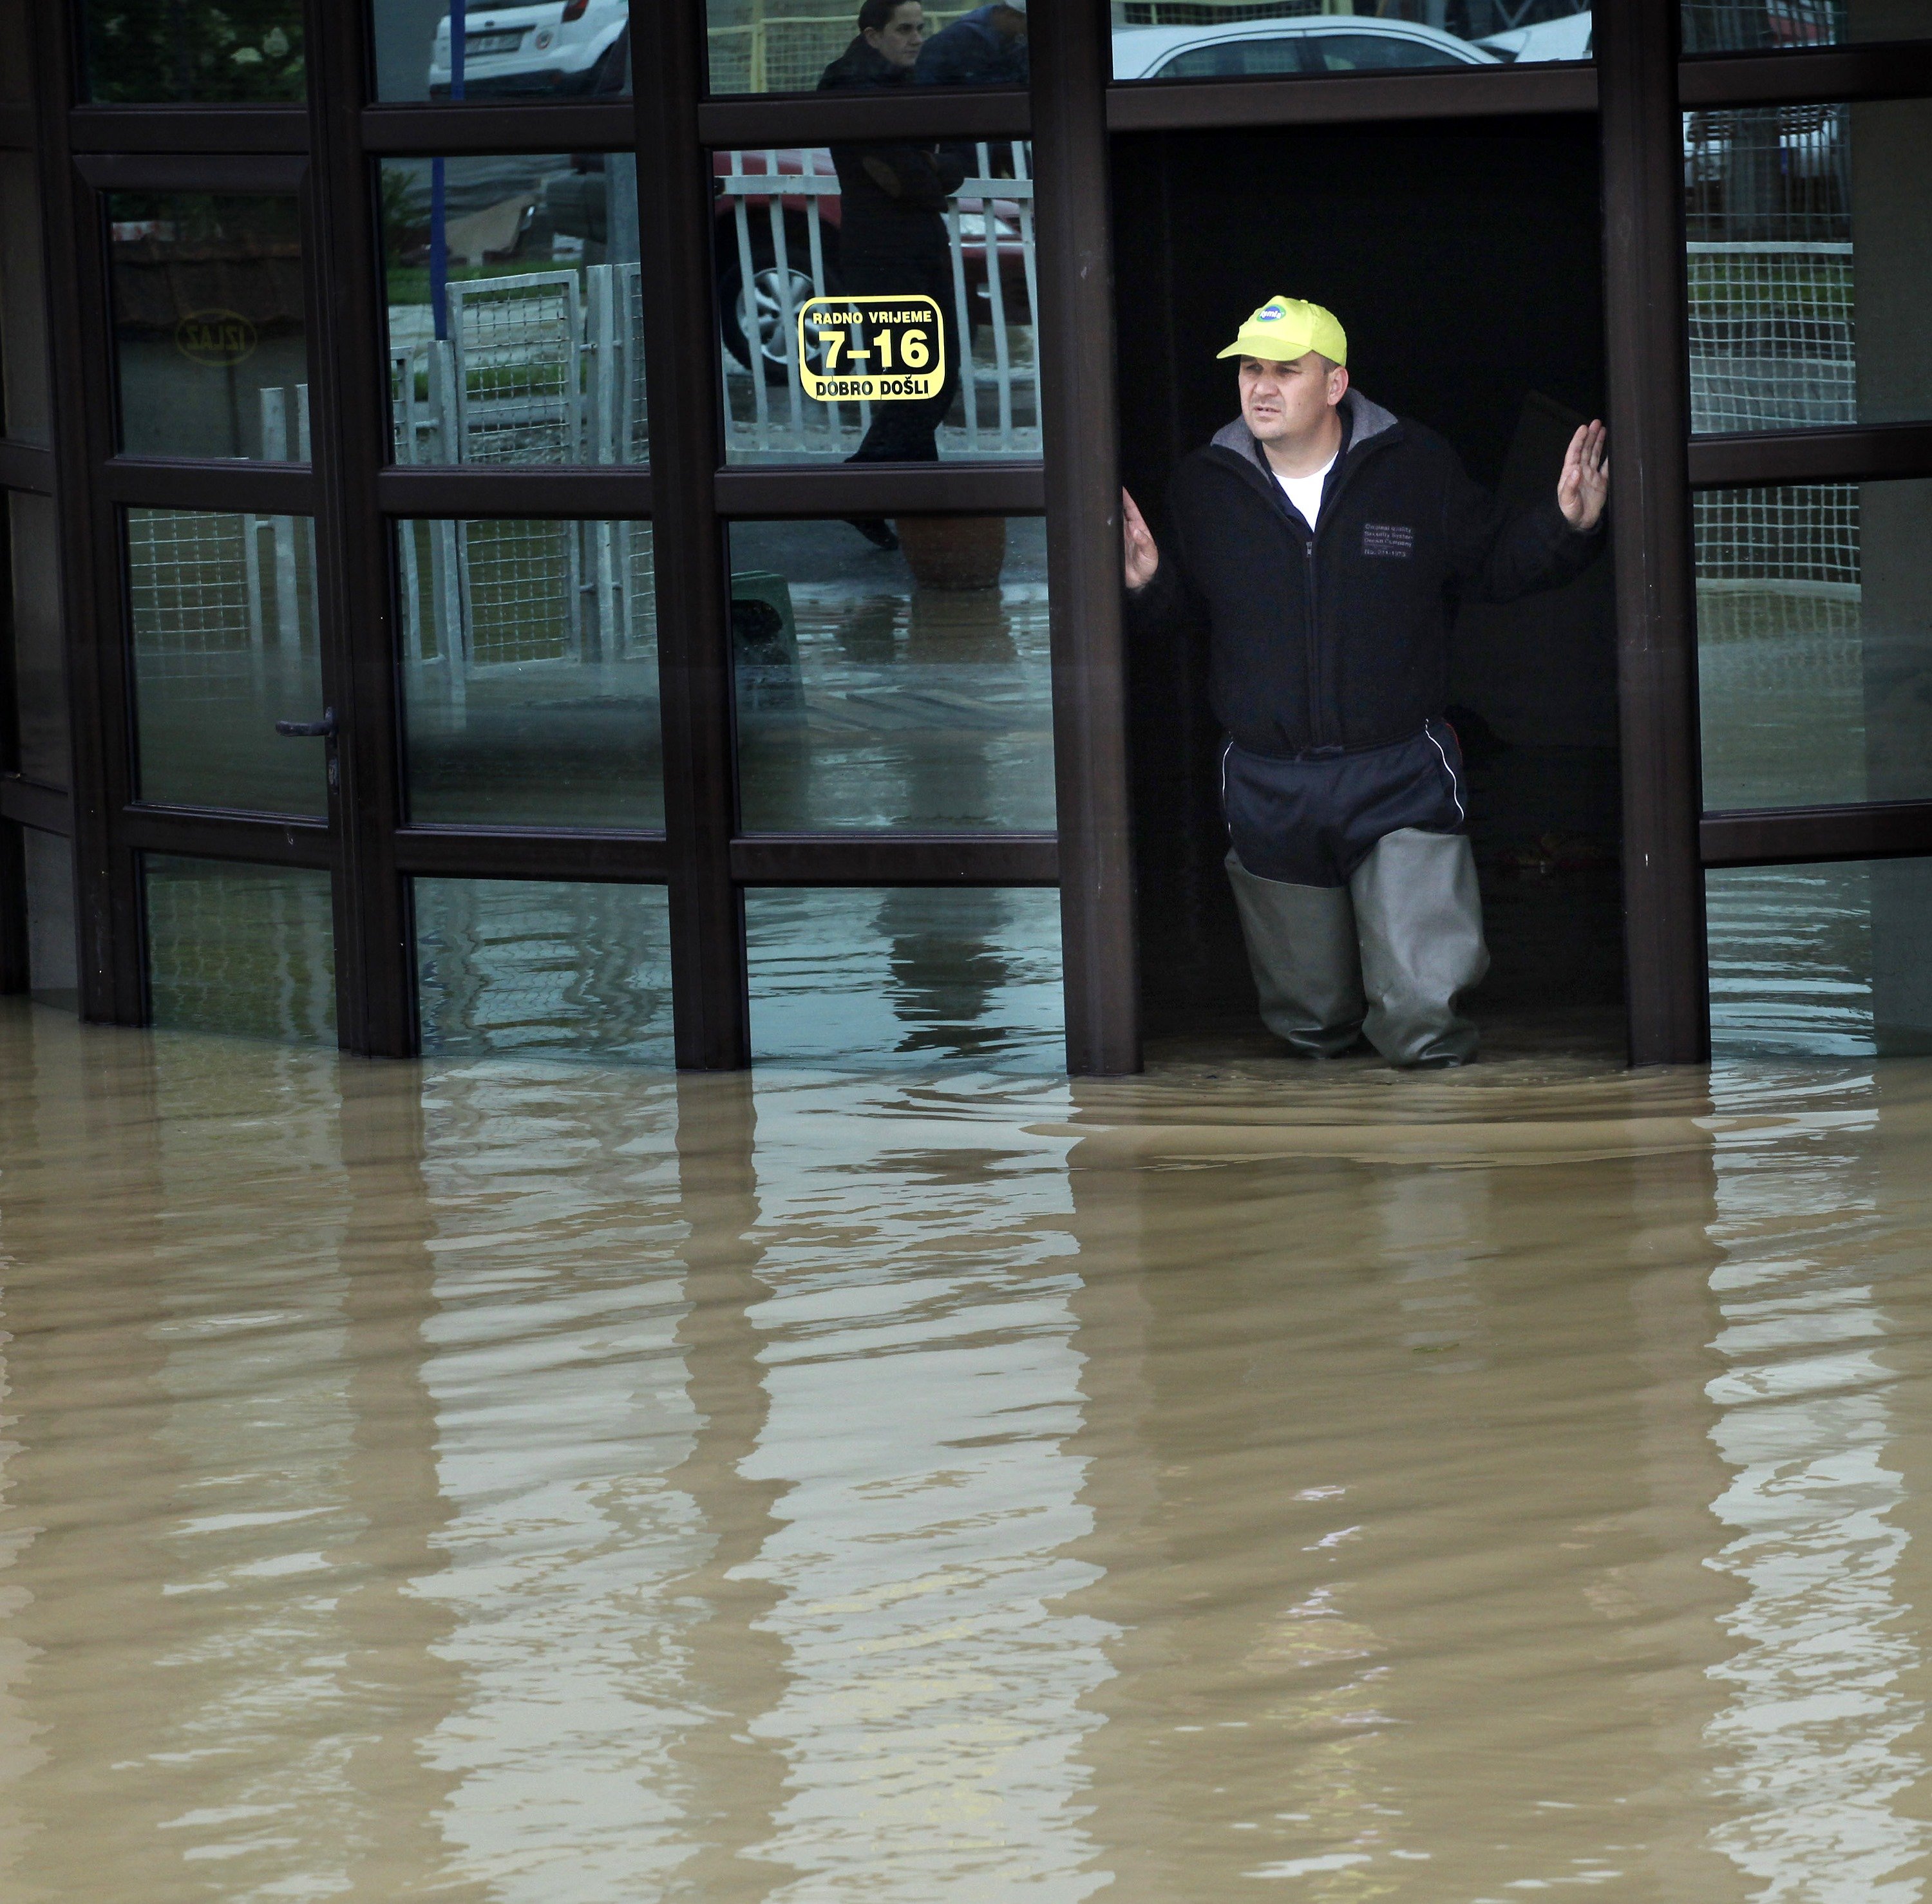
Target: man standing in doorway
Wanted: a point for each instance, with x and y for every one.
(1325, 541)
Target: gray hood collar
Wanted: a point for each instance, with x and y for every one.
(1365, 420)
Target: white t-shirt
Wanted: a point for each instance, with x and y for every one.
(1305, 492)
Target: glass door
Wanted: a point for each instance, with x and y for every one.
(1808, 227)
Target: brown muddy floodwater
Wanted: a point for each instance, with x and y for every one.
(519, 1481)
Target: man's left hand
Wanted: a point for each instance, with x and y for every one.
(1584, 486)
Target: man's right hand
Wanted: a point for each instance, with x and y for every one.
(1142, 557)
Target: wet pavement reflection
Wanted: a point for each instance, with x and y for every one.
(506, 1480)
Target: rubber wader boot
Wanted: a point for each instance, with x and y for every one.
(1301, 949)
(1419, 915)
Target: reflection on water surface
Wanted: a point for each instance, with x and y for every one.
(507, 1479)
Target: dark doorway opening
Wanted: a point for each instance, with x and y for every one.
(1464, 260)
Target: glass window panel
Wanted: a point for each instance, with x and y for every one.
(53, 958)
(909, 687)
(225, 646)
(40, 673)
(1823, 961)
(906, 973)
(516, 332)
(1718, 26)
(544, 968)
(1188, 39)
(530, 673)
(25, 413)
(1814, 644)
(1809, 267)
(936, 237)
(243, 949)
(804, 45)
(214, 52)
(543, 50)
(209, 339)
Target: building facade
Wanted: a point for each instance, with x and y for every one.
(457, 605)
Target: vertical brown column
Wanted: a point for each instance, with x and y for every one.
(107, 879)
(16, 965)
(375, 963)
(711, 1007)
(1650, 501)
(15, 972)
(1071, 61)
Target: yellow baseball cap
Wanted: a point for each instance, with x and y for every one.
(1285, 328)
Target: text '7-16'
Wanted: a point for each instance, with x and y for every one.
(871, 350)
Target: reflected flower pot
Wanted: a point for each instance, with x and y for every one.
(954, 552)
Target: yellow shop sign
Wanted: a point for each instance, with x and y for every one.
(884, 349)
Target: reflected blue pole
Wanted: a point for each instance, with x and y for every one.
(438, 205)
(439, 260)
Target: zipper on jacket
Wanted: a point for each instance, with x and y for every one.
(1316, 724)
(1311, 668)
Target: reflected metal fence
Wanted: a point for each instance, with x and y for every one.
(780, 249)
(774, 46)
(1771, 341)
(218, 597)
(538, 367)
(546, 368)
(1770, 330)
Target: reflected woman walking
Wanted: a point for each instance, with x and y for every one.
(892, 237)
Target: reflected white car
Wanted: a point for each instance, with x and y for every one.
(1568, 38)
(1318, 42)
(559, 47)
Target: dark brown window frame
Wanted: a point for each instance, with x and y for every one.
(1637, 85)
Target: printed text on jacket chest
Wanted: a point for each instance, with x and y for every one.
(1387, 538)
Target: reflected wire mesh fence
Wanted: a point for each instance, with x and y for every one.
(528, 589)
(1218, 13)
(538, 367)
(216, 597)
(1806, 536)
(1780, 637)
(1771, 343)
(240, 949)
(783, 45)
(1770, 279)
(192, 607)
(516, 367)
(522, 594)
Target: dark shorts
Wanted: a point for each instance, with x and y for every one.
(1313, 822)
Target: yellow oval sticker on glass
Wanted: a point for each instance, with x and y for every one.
(220, 339)
(886, 349)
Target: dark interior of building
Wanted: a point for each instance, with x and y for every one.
(1464, 260)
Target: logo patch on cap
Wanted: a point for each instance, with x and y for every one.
(1271, 314)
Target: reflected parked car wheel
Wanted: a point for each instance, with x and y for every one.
(763, 311)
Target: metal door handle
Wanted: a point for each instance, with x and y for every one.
(322, 730)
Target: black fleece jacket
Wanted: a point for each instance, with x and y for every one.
(1324, 643)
